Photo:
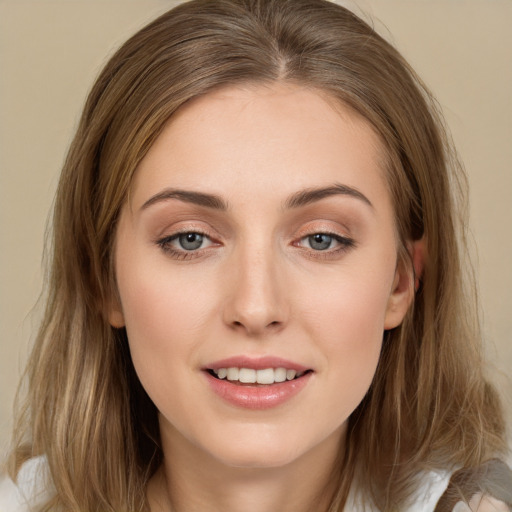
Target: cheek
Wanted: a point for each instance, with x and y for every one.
(346, 319)
(353, 331)
(349, 307)
(167, 311)
(163, 318)
(160, 302)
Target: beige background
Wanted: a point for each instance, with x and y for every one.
(50, 51)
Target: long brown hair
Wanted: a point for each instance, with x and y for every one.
(86, 410)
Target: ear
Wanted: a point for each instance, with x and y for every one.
(114, 311)
(405, 284)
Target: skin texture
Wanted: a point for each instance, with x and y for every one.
(257, 287)
(479, 503)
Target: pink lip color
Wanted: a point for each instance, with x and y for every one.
(257, 396)
(259, 363)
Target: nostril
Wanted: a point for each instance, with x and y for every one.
(256, 324)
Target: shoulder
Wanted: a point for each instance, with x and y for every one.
(432, 486)
(487, 488)
(480, 503)
(30, 490)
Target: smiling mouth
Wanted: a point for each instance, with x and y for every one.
(249, 376)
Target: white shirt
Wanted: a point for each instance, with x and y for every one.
(33, 489)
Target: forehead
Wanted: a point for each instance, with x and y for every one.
(280, 136)
(300, 105)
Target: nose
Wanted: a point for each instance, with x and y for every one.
(256, 302)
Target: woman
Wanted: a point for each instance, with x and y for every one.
(256, 300)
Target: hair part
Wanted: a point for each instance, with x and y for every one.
(85, 408)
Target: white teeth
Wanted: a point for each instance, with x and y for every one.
(265, 376)
(290, 374)
(251, 376)
(232, 373)
(247, 376)
(280, 375)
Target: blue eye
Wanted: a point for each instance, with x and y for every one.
(190, 241)
(330, 244)
(320, 241)
(184, 244)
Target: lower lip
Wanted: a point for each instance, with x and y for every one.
(257, 397)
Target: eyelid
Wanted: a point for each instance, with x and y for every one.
(344, 245)
(341, 239)
(341, 234)
(177, 236)
(324, 226)
(164, 242)
(335, 236)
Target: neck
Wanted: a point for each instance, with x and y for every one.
(190, 481)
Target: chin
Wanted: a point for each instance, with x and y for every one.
(268, 449)
(259, 458)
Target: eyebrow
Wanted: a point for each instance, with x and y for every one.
(188, 196)
(301, 198)
(311, 195)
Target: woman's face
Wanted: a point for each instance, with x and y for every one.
(258, 242)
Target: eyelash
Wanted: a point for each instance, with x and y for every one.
(345, 244)
(181, 254)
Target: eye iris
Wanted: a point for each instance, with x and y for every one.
(190, 241)
(320, 241)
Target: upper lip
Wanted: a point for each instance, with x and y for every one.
(256, 363)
